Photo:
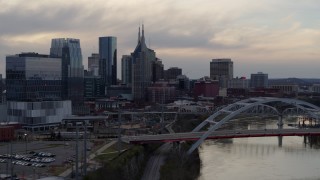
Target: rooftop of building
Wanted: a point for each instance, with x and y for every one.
(221, 60)
(174, 68)
(31, 54)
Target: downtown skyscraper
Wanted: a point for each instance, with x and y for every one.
(142, 60)
(108, 60)
(69, 51)
(126, 70)
(221, 70)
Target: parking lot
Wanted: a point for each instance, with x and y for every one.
(38, 158)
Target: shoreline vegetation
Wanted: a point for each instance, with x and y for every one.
(178, 165)
(130, 163)
(127, 165)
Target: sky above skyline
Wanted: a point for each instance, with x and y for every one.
(280, 38)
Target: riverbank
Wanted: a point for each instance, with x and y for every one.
(129, 164)
(178, 164)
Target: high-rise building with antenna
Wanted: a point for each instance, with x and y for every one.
(142, 60)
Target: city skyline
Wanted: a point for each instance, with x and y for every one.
(277, 38)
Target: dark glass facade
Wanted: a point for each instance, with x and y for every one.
(259, 80)
(93, 64)
(172, 73)
(126, 70)
(157, 70)
(108, 60)
(33, 77)
(93, 87)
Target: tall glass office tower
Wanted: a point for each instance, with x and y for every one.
(222, 70)
(69, 51)
(108, 60)
(126, 69)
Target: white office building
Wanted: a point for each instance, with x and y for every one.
(39, 114)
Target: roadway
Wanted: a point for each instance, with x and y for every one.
(193, 136)
(152, 171)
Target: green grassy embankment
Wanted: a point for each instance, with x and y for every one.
(128, 165)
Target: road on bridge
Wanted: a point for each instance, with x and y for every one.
(193, 136)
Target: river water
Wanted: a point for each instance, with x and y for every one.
(260, 158)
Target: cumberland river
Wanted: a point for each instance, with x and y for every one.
(260, 158)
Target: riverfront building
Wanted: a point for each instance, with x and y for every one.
(315, 88)
(221, 70)
(259, 80)
(239, 83)
(287, 89)
(206, 88)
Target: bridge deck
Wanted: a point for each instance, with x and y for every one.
(193, 136)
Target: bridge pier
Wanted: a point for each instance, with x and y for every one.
(280, 126)
(305, 141)
(280, 141)
(280, 122)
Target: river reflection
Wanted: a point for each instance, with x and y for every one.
(261, 158)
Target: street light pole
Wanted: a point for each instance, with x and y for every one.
(85, 149)
(77, 158)
(26, 140)
(7, 168)
(34, 173)
(119, 130)
(11, 160)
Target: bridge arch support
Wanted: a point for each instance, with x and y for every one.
(239, 107)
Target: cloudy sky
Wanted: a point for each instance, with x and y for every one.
(278, 37)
